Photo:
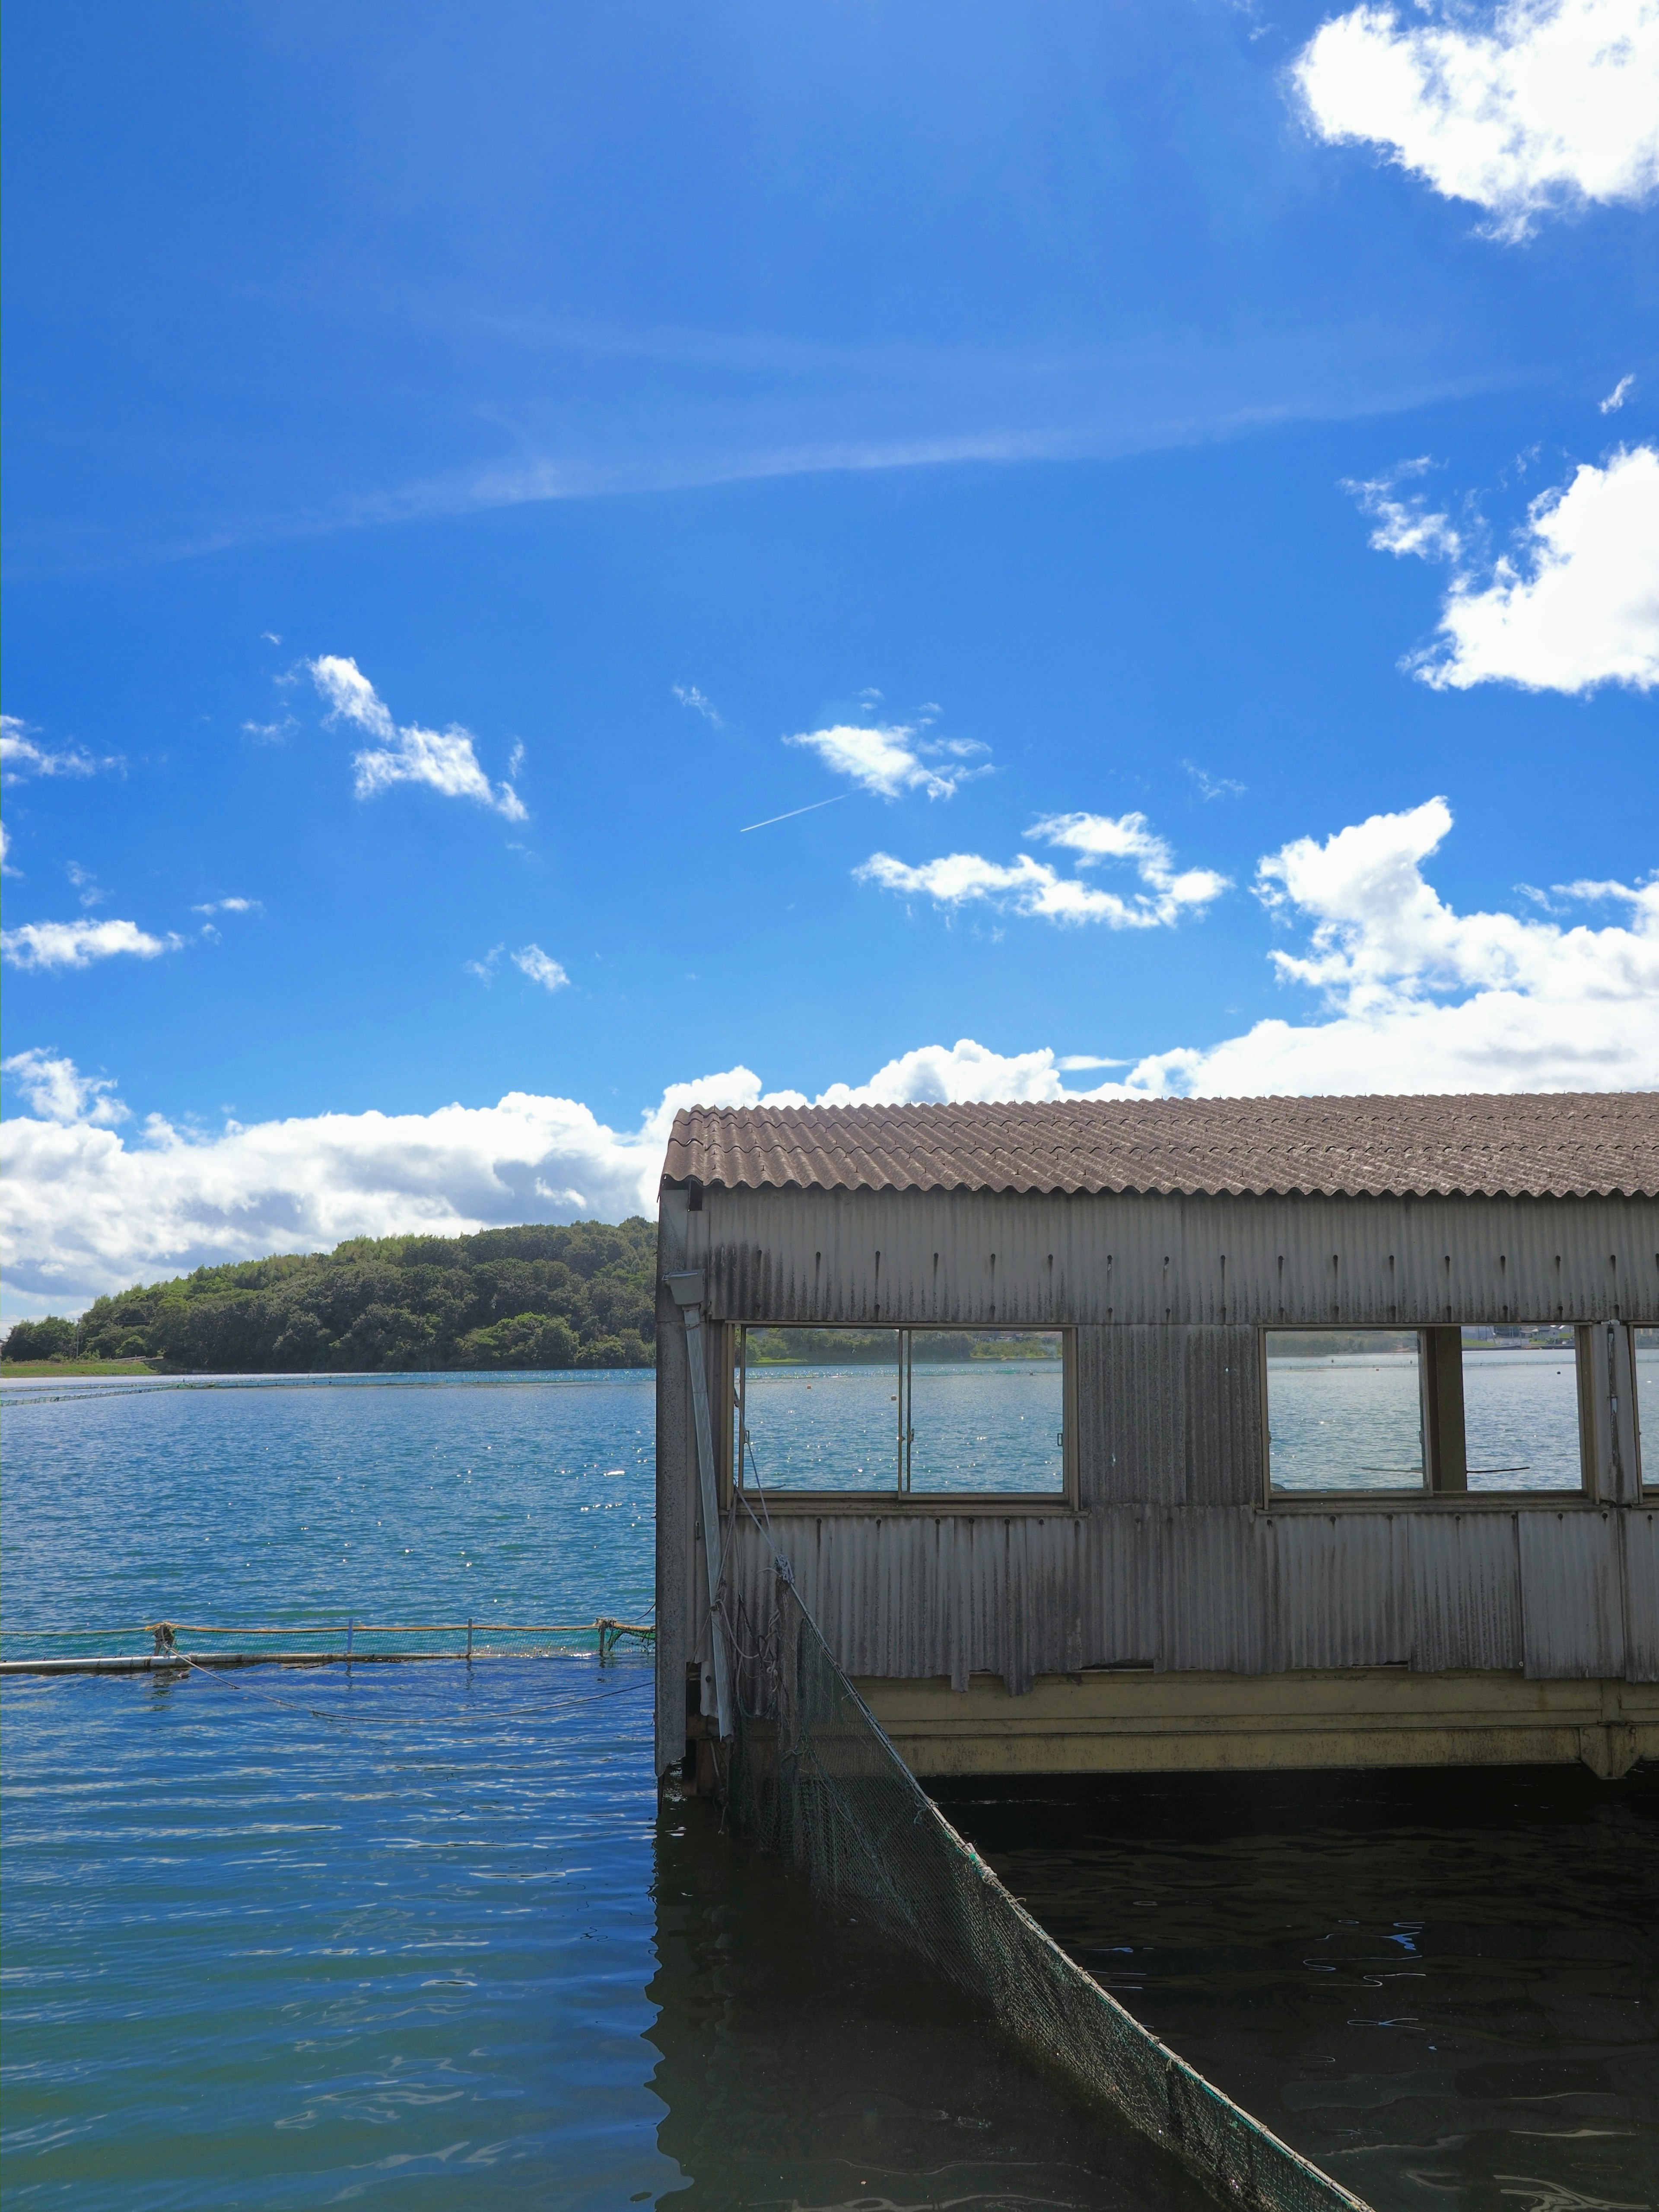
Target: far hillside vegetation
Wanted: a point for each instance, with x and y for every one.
(581, 1296)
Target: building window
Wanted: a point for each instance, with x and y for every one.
(1449, 1410)
(900, 1412)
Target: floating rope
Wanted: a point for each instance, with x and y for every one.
(608, 1632)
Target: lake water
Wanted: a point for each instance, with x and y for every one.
(423, 1936)
(1352, 1421)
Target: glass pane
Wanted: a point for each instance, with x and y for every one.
(1647, 1404)
(821, 1408)
(1344, 1409)
(1520, 1412)
(992, 1419)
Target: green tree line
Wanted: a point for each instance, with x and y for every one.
(582, 1296)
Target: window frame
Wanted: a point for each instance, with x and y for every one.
(1436, 1495)
(1000, 1504)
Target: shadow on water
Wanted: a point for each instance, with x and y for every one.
(1441, 1987)
(807, 2063)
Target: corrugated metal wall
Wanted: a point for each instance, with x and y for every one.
(1227, 1590)
(978, 1260)
(1172, 1560)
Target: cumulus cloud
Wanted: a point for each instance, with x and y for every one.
(532, 962)
(1406, 994)
(77, 944)
(56, 1090)
(443, 760)
(229, 905)
(87, 1212)
(887, 760)
(1034, 888)
(20, 756)
(1620, 393)
(1576, 605)
(1550, 104)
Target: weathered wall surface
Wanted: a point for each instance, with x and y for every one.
(1567, 1595)
(974, 1260)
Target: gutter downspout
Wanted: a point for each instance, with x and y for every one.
(687, 1291)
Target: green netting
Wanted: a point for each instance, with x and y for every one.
(814, 1777)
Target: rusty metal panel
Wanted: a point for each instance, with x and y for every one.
(1337, 1592)
(1641, 1534)
(984, 1259)
(1465, 1590)
(1572, 1595)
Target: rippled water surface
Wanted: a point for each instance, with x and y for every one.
(423, 1936)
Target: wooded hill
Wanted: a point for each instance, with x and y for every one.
(541, 1297)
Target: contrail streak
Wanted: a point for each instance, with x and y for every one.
(792, 812)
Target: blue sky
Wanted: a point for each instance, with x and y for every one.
(1133, 429)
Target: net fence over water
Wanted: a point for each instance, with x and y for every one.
(815, 1778)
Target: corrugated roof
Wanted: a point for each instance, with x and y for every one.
(1559, 1145)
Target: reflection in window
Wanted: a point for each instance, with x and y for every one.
(1521, 1410)
(1344, 1409)
(904, 1411)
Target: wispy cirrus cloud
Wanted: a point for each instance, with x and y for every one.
(887, 760)
(20, 756)
(1036, 889)
(69, 945)
(1574, 604)
(1541, 105)
(530, 962)
(445, 760)
(689, 696)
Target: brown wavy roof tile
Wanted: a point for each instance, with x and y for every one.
(1533, 1144)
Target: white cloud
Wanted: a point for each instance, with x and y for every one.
(56, 1090)
(443, 760)
(20, 756)
(1620, 393)
(887, 761)
(1551, 104)
(270, 733)
(6, 869)
(1409, 996)
(532, 962)
(689, 696)
(78, 944)
(1213, 786)
(1575, 606)
(229, 905)
(1031, 887)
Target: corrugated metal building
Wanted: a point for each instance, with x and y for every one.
(1166, 1598)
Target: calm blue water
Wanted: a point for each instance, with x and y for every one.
(1352, 1421)
(982, 1425)
(423, 1936)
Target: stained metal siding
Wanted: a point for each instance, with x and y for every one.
(1465, 1590)
(978, 1260)
(1229, 1591)
(1641, 1531)
(1340, 1594)
(1572, 1608)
